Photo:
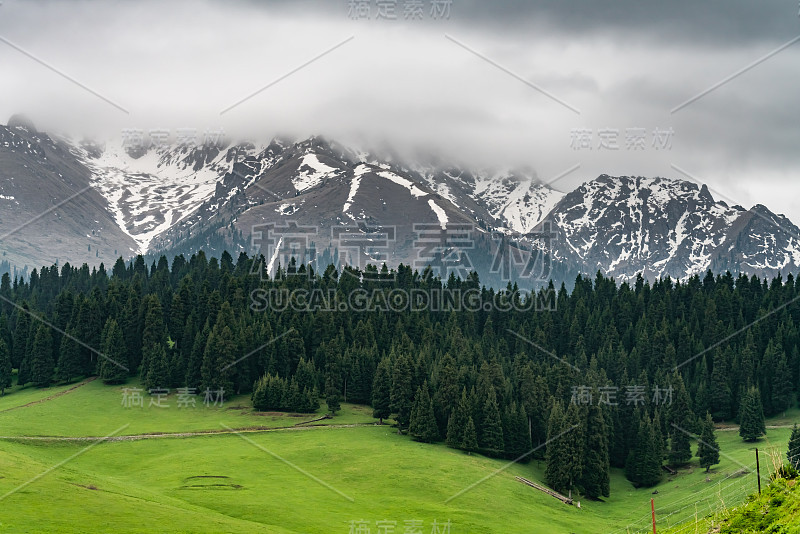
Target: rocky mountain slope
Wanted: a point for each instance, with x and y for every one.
(315, 196)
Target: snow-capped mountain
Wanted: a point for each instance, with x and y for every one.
(626, 225)
(49, 211)
(178, 199)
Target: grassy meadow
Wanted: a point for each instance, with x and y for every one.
(327, 478)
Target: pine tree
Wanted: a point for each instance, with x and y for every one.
(458, 422)
(556, 472)
(793, 454)
(422, 426)
(643, 466)
(720, 390)
(5, 367)
(158, 369)
(219, 357)
(781, 385)
(154, 333)
(69, 357)
(333, 380)
(402, 396)
(707, 448)
(573, 443)
(680, 419)
(42, 357)
(381, 390)
(21, 333)
(491, 434)
(517, 437)
(114, 354)
(596, 476)
(751, 416)
(469, 442)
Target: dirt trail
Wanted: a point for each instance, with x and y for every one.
(53, 396)
(736, 428)
(161, 435)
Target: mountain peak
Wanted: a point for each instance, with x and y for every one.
(19, 120)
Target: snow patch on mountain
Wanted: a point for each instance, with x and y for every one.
(403, 182)
(313, 175)
(355, 183)
(440, 213)
(149, 194)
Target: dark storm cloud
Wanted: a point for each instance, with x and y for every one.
(623, 64)
(717, 21)
(714, 22)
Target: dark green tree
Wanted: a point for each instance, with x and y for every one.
(69, 357)
(158, 368)
(5, 367)
(422, 426)
(402, 394)
(707, 448)
(491, 435)
(643, 466)
(42, 365)
(751, 416)
(469, 441)
(556, 472)
(381, 391)
(458, 422)
(333, 381)
(596, 476)
(114, 354)
(680, 420)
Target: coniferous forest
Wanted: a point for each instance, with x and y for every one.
(607, 375)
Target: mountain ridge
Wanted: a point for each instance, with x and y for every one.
(176, 198)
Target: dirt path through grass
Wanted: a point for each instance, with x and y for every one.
(159, 435)
(53, 396)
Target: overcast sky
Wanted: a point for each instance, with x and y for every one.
(491, 82)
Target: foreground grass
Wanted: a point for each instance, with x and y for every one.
(301, 480)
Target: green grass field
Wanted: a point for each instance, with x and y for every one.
(306, 479)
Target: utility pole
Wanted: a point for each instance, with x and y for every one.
(758, 472)
(653, 508)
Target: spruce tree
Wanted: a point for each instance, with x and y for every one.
(114, 354)
(643, 466)
(720, 390)
(751, 416)
(41, 358)
(402, 396)
(707, 448)
(69, 357)
(556, 472)
(491, 433)
(793, 454)
(21, 333)
(596, 476)
(469, 442)
(381, 391)
(517, 437)
(458, 422)
(680, 419)
(158, 369)
(5, 367)
(573, 443)
(781, 385)
(422, 426)
(333, 380)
